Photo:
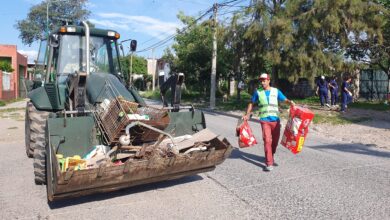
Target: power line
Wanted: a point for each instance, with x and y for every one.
(169, 38)
(194, 2)
(235, 5)
(228, 2)
(152, 38)
(164, 41)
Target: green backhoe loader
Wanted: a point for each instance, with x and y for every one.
(87, 132)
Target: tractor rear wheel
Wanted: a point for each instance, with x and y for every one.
(38, 142)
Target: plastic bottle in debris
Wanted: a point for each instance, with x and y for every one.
(61, 161)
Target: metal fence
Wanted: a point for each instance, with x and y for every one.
(374, 85)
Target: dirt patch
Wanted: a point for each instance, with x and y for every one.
(11, 130)
(374, 130)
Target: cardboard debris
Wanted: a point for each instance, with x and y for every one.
(204, 135)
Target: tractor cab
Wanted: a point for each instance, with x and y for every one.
(66, 60)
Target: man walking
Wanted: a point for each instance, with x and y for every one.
(334, 91)
(268, 97)
(346, 95)
(322, 91)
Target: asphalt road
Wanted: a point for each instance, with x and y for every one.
(327, 180)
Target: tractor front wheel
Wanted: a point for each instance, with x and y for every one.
(37, 142)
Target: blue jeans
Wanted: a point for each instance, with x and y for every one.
(345, 100)
(334, 97)
(323, 97)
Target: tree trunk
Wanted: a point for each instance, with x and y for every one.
(388, 86)
(275, 76)
(232, 86)
(356, 84)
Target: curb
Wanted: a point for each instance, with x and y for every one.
(226, 114)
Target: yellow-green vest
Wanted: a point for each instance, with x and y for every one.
(268, 109)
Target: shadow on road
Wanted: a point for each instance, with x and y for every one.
(122, 192)
(250, 158)
(355, 148)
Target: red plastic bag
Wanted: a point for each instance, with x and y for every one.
(297, 128)
(245, 135)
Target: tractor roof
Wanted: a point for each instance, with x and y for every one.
(80, 30)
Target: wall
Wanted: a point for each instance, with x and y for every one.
(17, 60)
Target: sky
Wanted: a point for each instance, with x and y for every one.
(147, 21)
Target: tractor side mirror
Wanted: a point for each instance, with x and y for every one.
(53, 40)
(133, 45)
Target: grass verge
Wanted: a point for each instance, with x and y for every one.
(337, 119)
(5, 102)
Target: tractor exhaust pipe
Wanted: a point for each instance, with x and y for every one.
(87, 44)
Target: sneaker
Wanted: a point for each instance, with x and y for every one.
(327, 105)
(275, 164)
(268, 168)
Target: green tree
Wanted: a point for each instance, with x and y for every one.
(139, 66)
(193, 49)
(374, 52)
(307, 37)
(6, 66)
(35, 25)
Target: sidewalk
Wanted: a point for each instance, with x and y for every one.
(19, 104)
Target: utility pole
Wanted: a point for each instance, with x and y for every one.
(214, 59)
(131, 68)
(47, 19)
(154, 70)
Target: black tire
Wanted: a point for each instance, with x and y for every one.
(38, 142)
(39, 166)
(27, 130)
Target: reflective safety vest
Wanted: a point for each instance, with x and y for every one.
(268, 109)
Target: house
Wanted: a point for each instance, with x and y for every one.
(12, 83)
(163, 70)
(151, 69)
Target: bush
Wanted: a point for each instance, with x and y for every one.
(190, 95)
(151, 94)
(6, 66)
(285, 86)
(139, 84)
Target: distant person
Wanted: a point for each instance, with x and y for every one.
(346, 94)
(334, 91)
(268, 97)
(240, 85)
(322, 91)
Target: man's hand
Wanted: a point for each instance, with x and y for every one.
(291, 102)
(245, 117)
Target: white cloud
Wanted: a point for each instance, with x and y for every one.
(31, 55)
(110, 24)
(142, 24)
